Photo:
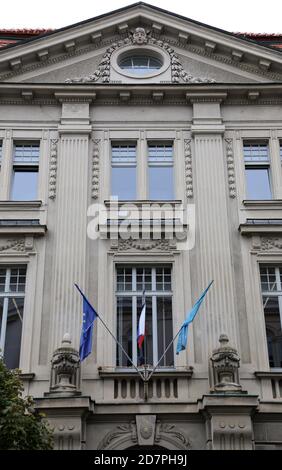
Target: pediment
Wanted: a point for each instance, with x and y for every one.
(190, 52)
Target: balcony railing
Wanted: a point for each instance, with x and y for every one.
(163, 386)
(271, 382)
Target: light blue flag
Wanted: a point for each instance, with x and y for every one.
(182, 338)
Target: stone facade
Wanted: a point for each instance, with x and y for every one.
(213, 91)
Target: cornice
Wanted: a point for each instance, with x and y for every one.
(107, 42)
(112, 94)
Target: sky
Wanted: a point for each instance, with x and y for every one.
(230, 15)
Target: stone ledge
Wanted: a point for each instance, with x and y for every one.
(133, 374)
(262, 204)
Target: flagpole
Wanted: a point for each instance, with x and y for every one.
(172, 341)
(150, 375)
(118, 343)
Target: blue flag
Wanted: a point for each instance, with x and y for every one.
(182, 338)
(89, 315)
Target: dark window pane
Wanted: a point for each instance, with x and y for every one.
(13, 332)
(24, 185)
(164, 320)
(124, 182)
(258, 184)
(273, 330)
(161, 183)
(144, 279)
(124, 330)
(145, 354)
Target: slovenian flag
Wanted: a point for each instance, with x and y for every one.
(141, 324)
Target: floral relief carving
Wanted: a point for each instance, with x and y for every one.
(139, 37)
(230, 168)
(127, 433)
(95, 169)
(13, 244)
(271, 244)
(188, 168)
(123, 432)
(145, 245)
(53, 168)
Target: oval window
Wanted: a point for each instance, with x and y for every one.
(140, 65)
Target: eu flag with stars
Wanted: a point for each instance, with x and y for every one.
(89, 315)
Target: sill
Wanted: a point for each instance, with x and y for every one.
(30, 376)
(275, 373)
(262, 204)
(24, 226)
(18, 205)
(140, 202)
(260, 228)
(127, 374)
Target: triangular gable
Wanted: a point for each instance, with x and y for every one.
(221, 56)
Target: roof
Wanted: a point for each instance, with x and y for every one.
(14, 36)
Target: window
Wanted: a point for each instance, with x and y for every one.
(12, 288)
(131, 283)
(257, 167)
(124, 171)
(140, 65)
(160, 162)
(271, 286)
(25, 171)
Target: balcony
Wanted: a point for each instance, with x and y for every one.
(271, 384)
(128, 387)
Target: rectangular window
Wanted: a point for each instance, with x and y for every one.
(257, 168)
(12, 288)
(124, 171)
(271, 286)
(160, 162)
(25, 172)
(131, 283)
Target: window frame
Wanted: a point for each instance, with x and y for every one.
(25, 166)
(272, 294)
(258, 164)
(135, 294)
(123, 164)
(6, 295)
(165, 163)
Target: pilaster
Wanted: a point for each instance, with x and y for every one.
(71, 201)
(213, 254)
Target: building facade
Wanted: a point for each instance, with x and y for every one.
(141, 156)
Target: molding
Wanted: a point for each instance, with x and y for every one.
(249, 229)
(269, 374)
(36, 230)
(95, 168)
(188, 168)
(20, 205)
(27, 376)
(201, 51)
(116, 374)
(53, 168)
(263, 204)
(109, 41)
(230, 168)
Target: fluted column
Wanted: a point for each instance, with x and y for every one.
(70, 232)
(213, 252)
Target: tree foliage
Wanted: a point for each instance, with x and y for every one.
(21, 426)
